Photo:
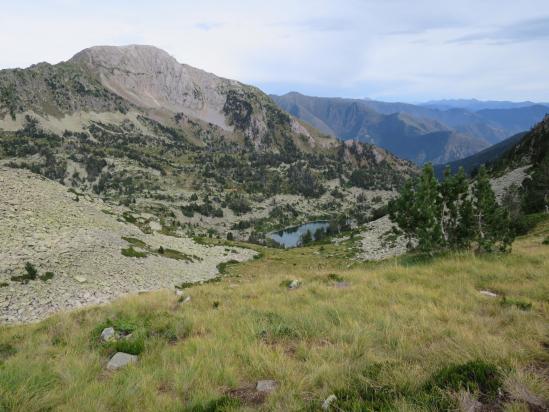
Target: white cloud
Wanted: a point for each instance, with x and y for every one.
(392, 49)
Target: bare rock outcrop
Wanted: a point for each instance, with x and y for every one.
(43, 224)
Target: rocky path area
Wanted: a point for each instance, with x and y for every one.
(79, 243)
(377, 242)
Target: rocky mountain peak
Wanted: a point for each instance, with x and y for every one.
(151, 78)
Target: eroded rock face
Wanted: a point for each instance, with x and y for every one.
(151, 78)
(41, 223)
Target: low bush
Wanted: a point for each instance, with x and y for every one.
(134, 241)
(31, 274)
(518, 303)
(47, 276)
(131, 252)
(223, 267)
(474, 376)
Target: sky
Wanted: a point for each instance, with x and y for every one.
(393, 50)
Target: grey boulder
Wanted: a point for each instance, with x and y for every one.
(108, 334)
(120, 359)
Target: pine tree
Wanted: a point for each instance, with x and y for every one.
(449, 215)
(536, 197)
(418, 211)
(429, 211)
(456, 216)
(492, 221)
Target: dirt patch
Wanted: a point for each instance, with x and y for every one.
(247, 394)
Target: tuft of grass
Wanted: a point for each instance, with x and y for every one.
(6, 351)
(4, 284)
(128, 217)
(175, 254)
(221, 404)
(133, 345)
(223, 267)
(334, 277)
(519, 303)
(476, 376)
(134, 242)
(47, 276)
(546, 241)
(285, 283)
(131, 252)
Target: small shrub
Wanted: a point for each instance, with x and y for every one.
(131, 252)
(175, 254)
(6, 350)
(31, 274)
(473, 376)
(285, 283)
(4, 284)
(31, 270)
(47, 276)
(223, 266)
(546, 241)
(128, 217)
(335, 277)
(521, 304)
(135, 242)
(215, 304)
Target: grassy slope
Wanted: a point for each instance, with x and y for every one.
(405, 319)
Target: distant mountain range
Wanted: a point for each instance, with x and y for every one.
(475, 105)
(416, 132)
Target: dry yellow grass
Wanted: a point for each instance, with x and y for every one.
(406, 319)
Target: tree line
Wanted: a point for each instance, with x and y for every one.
(452, 214)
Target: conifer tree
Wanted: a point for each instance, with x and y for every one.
(451, 216)
(418, 211)
(536, 197)
(429, 210)
(492, 221)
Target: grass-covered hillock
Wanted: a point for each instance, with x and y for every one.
(408, 334)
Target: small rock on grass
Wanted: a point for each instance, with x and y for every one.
(488, 293)
(328, 402)
(120, 359)
(183, 300)
(294, 284)
(266, 386)
(108, 334)
(80, 279)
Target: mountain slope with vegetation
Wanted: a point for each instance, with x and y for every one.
(472, 163)
(201, 153)
(419, 133)
(419, 139)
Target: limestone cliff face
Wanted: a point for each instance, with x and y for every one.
(152, 79)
